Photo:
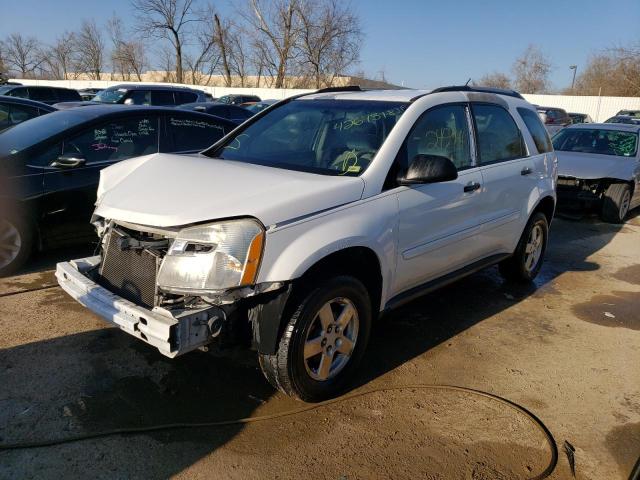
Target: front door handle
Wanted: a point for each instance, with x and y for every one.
(471, 187)
(526, 171)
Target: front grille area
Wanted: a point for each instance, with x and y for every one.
(128, 272)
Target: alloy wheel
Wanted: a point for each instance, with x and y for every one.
(533, 249)
(331, 338)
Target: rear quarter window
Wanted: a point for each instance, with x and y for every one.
(536, 129)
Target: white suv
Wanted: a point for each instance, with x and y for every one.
(301, 226)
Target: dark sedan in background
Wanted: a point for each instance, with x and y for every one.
(141, 94)
(48, 95)
(17, 110)
(50, 167)
(230, 112)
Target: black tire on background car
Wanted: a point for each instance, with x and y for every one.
(16, 243)
(615, 203)
(323, 341)
(526, 261)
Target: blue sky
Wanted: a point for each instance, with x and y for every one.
(423, 44)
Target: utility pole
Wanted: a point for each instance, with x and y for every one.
(575, 69)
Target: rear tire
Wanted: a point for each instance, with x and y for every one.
(615, 203)
(315, 360)
(16, 244)
(525, 263)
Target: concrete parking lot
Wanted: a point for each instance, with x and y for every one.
(567, 349)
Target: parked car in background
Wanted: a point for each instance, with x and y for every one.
(554, 119)
(631, 113)
(296, 230)
(17, 110)
(261, 105)
(624, 119)
(88, 93)
(238, 99)
(580, 118)
(52, 164)
(599, 168)
(141, 94)
(230, 112)
(48, 95)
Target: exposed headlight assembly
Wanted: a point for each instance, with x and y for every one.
(208, 258)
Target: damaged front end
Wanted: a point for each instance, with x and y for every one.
(174, 288)
(580, 194)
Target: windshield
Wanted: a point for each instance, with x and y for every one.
(27, 134)
(330, 137)
(110, 95)
(4, 90)
(600, 141)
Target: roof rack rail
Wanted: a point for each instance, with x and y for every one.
(348, 88)
(467, 88)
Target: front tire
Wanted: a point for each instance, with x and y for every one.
(323, 342)
(525, 263)
(615, 203)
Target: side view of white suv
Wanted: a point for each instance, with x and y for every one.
(297, 229)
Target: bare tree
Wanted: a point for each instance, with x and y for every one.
(169, 20)
(127, 55)
(224, 43)
(330, 39)
(89, 50)
(204, 60)
(22, 54)
(531, 71)
(613, 72)
(495, 79)
(277, 27)
(59, 57)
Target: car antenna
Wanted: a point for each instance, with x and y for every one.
(467, 84)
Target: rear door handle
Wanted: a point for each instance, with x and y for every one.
(526, 171)
(471, 186)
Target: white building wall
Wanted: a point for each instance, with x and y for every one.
(599, 108)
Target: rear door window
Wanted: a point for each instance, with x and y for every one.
(116, 139)
(42, 94)
(536, 129)
(185, 97)
(162, 97)
(498, 135)
(192, 133)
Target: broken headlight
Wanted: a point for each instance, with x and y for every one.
(212, 257)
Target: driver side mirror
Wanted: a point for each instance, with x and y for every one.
(429, 169)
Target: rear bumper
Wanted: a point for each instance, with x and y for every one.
(171, 332)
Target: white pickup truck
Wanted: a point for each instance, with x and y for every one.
(296, 230)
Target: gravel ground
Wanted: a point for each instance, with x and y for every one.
(567, 349)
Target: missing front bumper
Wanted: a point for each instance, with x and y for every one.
(171, 332)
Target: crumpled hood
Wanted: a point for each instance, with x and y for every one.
(591, 166)
(166, 190)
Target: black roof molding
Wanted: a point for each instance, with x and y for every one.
(468, 88)
(348, 88)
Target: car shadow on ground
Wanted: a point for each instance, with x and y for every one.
(105, 379)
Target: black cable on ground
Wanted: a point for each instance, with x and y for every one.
(553, 460)
(17, 292)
